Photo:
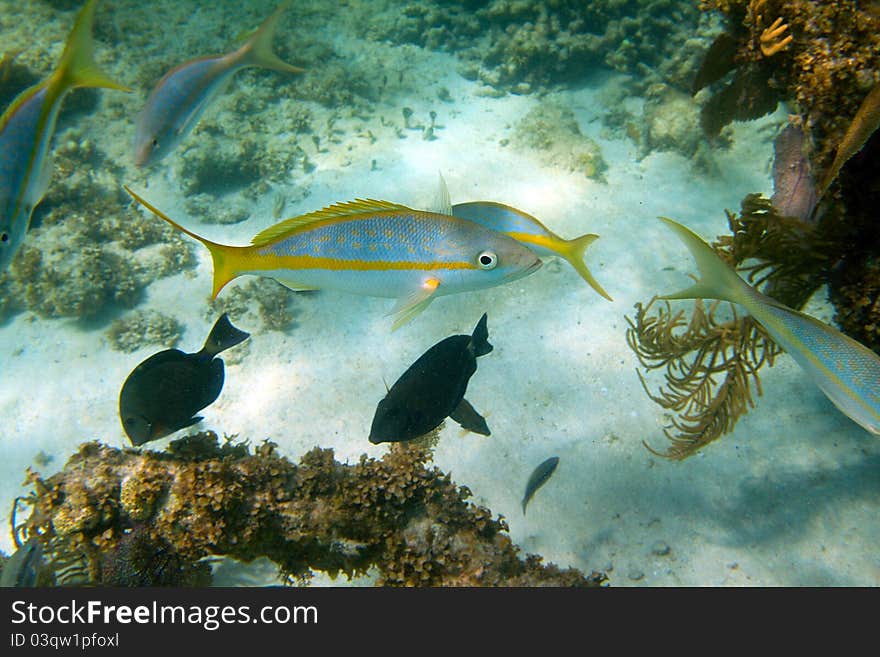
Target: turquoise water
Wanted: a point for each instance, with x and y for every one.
(580, 117)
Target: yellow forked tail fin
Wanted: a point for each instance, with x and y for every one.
(223, 256)
(574, 254)
(718, 280)
(77, 67)
(258, 49)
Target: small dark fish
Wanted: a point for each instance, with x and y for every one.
(538, 478)
(432, 389)
(23, 567)
(163, 393)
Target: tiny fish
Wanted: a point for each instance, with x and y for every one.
(374, 248)
(164, 393)
(23, 567)
(179, 99)
(432, 389)
(845, 370)
(26, 129)
(538, 478)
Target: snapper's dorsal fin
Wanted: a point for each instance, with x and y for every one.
(442, 202)
(335, 211)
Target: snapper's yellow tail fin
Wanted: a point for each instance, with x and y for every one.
(258, 49)
(77, 67)
(717, 280)
(574, 254)
(223, 256)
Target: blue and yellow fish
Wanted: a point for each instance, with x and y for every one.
(26, 130)
(374, 248)
(845, 370)
(180, 98)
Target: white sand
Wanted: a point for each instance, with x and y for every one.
(790, 498)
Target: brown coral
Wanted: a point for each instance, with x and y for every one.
(408, 520)
(711, 362)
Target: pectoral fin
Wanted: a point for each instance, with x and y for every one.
(468, 417)
(408, 307)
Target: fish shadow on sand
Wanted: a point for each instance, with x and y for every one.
(781, 505)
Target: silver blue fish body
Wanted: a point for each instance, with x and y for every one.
(25, 166)
(27, 127)
(844, 369)
(179, 99)
(389, 254)
(177, 103)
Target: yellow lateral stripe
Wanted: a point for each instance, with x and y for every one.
(537, 240)
(338, 264)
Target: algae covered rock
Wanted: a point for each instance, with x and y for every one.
(125, 513)
(520, 46)
(552, 130)
(671, 122)
(141, 328)
(259, 298)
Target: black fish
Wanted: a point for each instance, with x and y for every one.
(432, 389)
(164, 393)
(538, 478)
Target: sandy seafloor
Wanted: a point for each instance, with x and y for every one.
(791, 497)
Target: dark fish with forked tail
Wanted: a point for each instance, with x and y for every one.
(433, 389)
(538, 478)
(164, 393)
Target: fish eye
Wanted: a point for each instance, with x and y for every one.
(4, 237)
(487, 260)
(155, 142)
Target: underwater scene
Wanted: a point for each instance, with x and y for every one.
(477, 293)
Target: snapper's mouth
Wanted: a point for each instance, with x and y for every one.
(534, 266)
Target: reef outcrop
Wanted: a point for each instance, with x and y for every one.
(116, 516)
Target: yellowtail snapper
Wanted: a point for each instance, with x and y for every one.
(845, 370)
(538, 478)
(164, 393)
(180, 98)
(432, 389)
(374, 248)
(26, 129)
